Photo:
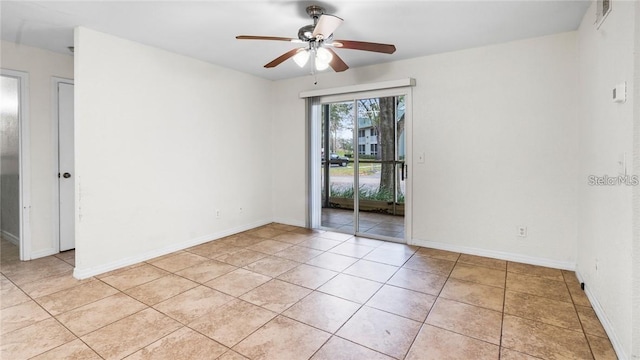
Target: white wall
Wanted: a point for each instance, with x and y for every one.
(498, 126)
(635, 305)
(606, 217)
(162, 142)
(41, 66)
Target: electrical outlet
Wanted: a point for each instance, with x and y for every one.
(240, 210)
(217, 213)
(522, 231)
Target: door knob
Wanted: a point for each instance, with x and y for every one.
(66, 175)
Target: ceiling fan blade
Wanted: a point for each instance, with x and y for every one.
(251, 37)
(337, 64)
(366, 46)
(326, 25)
(280, 59)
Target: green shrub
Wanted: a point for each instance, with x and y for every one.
(364, 193)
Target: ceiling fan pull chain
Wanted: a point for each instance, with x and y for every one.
(314, 73)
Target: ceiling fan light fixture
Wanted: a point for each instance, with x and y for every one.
(323, 58)
(321, 66)
(301, 57)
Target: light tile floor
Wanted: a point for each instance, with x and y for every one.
(281, 292)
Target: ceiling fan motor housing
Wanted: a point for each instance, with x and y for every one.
(305, 33)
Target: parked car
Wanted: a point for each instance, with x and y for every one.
(337, 159)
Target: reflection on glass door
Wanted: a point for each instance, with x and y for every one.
(10, 164)
(381, 166)
(337, 174)
(363, 167)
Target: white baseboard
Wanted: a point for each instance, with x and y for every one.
(290, 222)
(34, 255)
(604, 320)
(43, 253)
(10, 237)
(79, 273)
(564, 265)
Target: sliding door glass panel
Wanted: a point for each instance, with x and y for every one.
(337, 166)
(380, 165)
(398, 224)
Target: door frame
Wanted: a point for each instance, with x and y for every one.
(55, 126)
(24, 161)
(314, 161)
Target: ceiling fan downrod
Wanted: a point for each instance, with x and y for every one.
(315, 11)
(305, 33)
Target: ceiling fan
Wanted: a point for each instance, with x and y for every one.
(319, 43)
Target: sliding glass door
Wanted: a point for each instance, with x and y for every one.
(362, 169)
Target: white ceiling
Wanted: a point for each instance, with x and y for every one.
(206, 30)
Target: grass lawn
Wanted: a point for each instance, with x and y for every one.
(365, 169)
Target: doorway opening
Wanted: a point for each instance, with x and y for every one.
(64, 204)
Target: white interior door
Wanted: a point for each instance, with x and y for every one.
(66, 176)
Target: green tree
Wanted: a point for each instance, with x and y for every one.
(340, 117)
(387, 143)
(381, 112)
(346, 144)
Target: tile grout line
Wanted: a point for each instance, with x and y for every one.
(455, 332)
(51, 316)
(575, 309)
(235, 298)
(369, 298)
(424, 322)
(238, 298)
(80, 337)
(504, 305)
(551, 299)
